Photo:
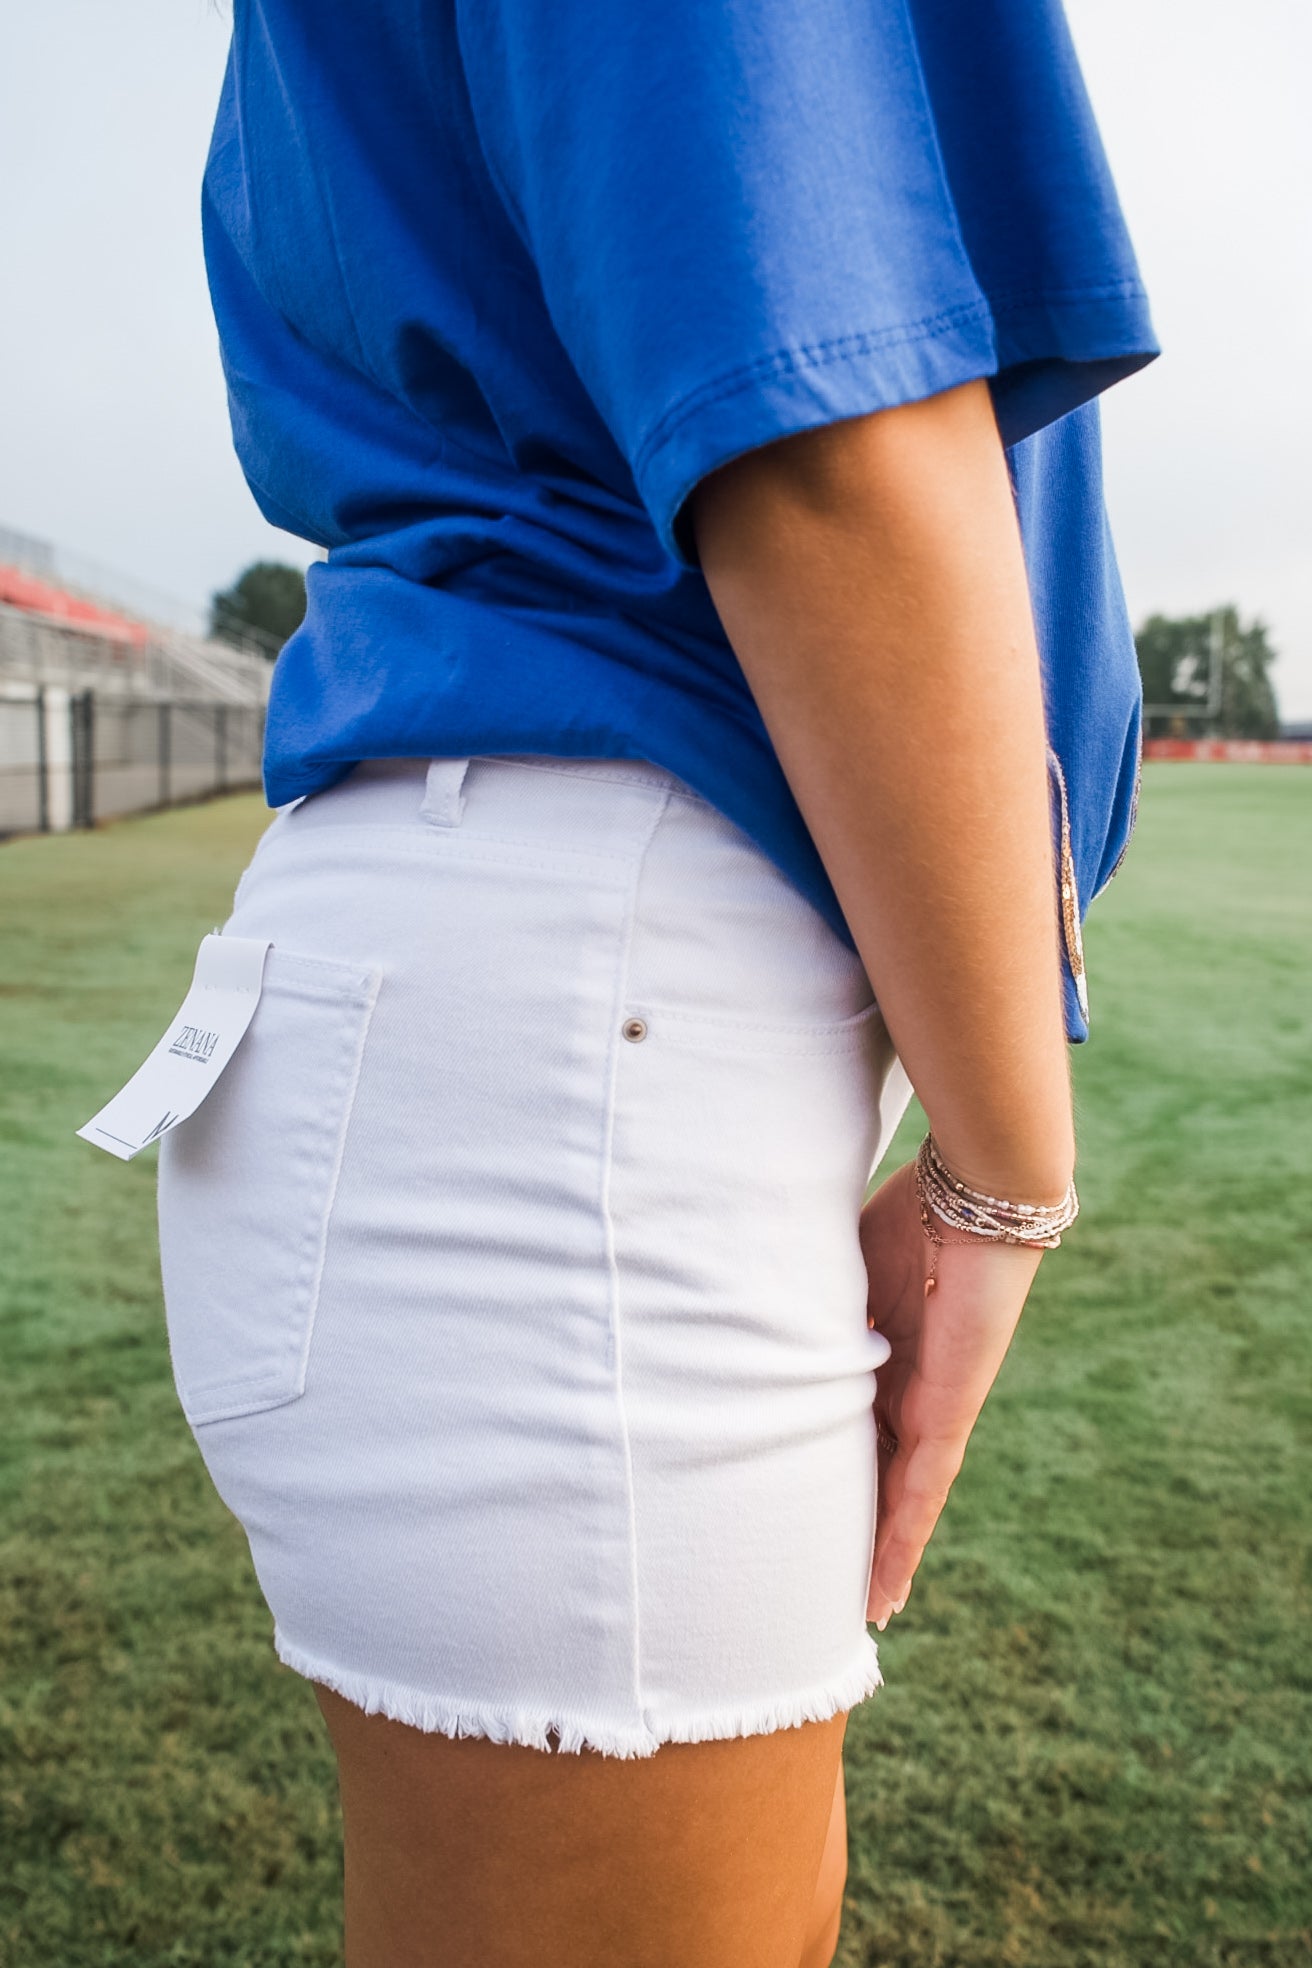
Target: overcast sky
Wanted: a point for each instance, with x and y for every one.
(113, 433)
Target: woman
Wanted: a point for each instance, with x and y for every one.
(699, 407)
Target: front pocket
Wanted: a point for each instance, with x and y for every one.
(246, 1188)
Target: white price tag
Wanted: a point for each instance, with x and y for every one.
(172, 1082)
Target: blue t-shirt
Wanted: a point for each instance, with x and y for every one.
(498, 281)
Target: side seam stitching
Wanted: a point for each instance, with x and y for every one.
(612, 1259)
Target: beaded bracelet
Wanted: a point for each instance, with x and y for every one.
(944, 1196)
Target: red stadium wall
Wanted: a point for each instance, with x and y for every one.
(37, 597)
(1233, 751)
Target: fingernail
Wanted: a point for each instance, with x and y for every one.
(881, 1624)
(898, 1604)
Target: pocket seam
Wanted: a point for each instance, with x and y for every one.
(367, 999)
(232, 1399)
(356, 978)
(738, 1035)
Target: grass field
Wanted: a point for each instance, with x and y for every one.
(1094, 1743)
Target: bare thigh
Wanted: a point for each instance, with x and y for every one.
(465, 1853)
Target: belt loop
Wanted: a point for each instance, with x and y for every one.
(444, 801)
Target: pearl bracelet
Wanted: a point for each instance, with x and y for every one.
(982, 1215)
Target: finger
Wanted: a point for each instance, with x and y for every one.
(918, 1483)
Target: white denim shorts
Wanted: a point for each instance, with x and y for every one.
(512, 1272)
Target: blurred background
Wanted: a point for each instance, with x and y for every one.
(1093, 1744)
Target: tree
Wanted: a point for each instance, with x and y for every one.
(261, 608)
(1178, 660)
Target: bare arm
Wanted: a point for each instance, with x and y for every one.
(871, 579)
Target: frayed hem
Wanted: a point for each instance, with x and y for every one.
(511, 1725)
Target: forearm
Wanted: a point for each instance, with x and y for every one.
(870, 577)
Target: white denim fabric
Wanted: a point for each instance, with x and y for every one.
(512, 1271)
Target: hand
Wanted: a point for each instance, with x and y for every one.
(947, 1348)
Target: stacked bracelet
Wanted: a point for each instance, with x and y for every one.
(944, 1196)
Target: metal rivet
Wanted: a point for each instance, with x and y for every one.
(635, 1029)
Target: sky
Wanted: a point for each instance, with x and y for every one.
(114, 439)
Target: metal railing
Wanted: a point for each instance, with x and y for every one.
(34, 649)
(70, 758)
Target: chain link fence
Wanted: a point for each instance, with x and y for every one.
(71, 757)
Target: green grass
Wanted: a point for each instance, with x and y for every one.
(1093, 1745)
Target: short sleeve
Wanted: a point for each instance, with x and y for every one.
(745, 221)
